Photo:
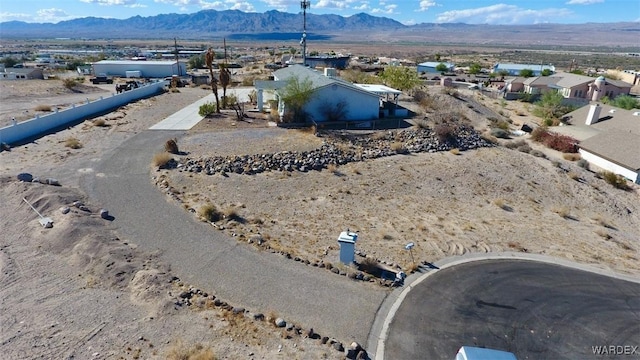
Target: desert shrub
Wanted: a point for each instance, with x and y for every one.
(563, 212)
(171, 146)
(73, 143)
(501, 204)
(573, 175)
(398, 147)
(230, 100)
(455, 151)
(421, 123)
(209, 212)
(69, 83)
(42, 107)
(179, 351)
(445, 132)
(525, 148)
(207, 109)
(500, 133)
(616, 180)
(248, 81)
(231, 213)
(334, 112)
(489, 138)
(332, 168)
(514, 144)
(571, 157)
(562, 143)
(369, 265)
(537, 153)
(583, 164)
(99, 122)
(161, 159)
(253, 96)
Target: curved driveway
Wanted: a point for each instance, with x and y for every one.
(199, 255)
(535, 310)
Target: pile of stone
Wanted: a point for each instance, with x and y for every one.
(336, 150)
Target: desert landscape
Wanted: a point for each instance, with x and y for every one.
(81, 290)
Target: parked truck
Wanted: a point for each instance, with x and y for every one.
(102, 79)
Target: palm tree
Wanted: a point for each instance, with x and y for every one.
(214, 82)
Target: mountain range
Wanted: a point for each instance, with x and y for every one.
(275, 25)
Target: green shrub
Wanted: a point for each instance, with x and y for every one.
(207, 109)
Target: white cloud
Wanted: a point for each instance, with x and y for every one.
(51, 15)
(111, 2)
(584, 2)
(503, 14)
(426, 4)
(387, 9)
(6, 16)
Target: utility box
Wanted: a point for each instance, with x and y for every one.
(347, 241)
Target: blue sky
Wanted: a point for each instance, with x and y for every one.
(406, 11)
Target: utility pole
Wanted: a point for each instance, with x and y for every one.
(175, 51)
(304, 4)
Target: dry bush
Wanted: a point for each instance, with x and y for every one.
(231, 213)
(379, 135)
(562, 143)
(603, 234)
(562, 211)
(421, 123)
(369, 265)
(309, 129)
(171, 146)
(209, 212)
(161, 159)
(72, 143)
(43, 107)
(573, 175)
(616, 180)
(332, 168)
(455, 151)
(398, 147)
(501, 203)
(69, 83)
(445, 132)
(571, 157)
(600, 220)
(99, 123)
(180, 351)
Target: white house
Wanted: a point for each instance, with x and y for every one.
(330, 93)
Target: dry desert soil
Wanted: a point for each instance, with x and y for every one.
(80, 290)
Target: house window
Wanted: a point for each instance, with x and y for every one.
(609, 94)
(579, 93)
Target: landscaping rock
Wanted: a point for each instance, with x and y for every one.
(65, 209)
(280, 322)
(104, 213)
(338, 346)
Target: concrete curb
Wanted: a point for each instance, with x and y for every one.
(386, 311)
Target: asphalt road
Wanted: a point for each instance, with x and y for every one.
(535, 310)
(204, 257)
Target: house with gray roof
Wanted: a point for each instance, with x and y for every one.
(331, 95)
(609, 138)
(21, 74)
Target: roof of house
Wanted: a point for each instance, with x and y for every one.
(616, 136)
(433, 64)
(22, 70)
(517, 67)
(618, 83)
(569, 80)
(378, 89)
(616, 146)
(540, 81)
(317, 79)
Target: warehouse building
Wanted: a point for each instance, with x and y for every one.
(145, 69)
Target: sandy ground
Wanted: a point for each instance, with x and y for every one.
(79, 291)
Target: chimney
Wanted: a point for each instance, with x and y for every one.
(594, 114)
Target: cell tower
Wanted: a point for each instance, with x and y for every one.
(304, 5)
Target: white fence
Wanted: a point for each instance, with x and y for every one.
(44, 124)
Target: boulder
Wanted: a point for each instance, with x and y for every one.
(26, 177)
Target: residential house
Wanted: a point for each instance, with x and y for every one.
(515, 69)
(21, 74)
(571, 86)
(609, 138)
(359, 103)
(430, 67)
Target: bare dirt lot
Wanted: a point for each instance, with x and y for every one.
(80, 291)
